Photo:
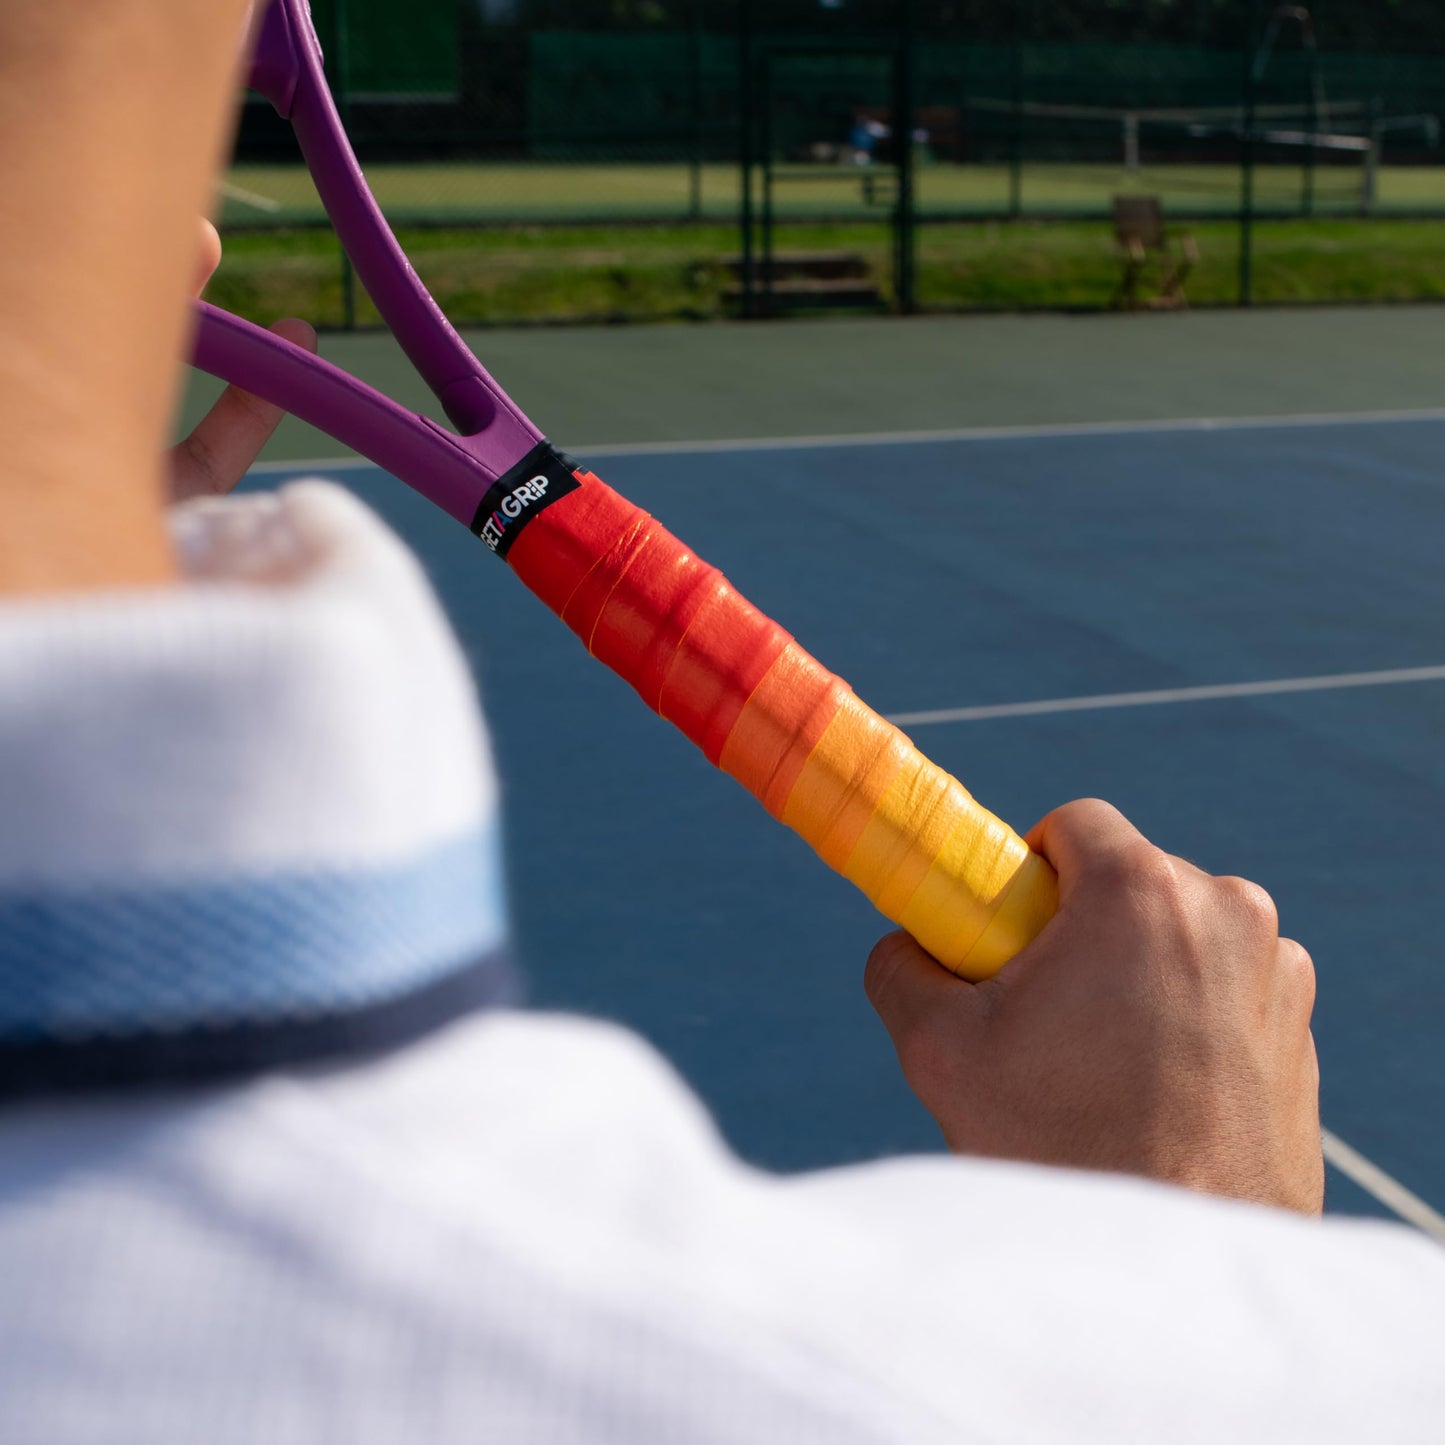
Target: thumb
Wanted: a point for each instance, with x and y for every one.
(923, 1006)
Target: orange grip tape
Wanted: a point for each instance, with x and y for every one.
(848, 782)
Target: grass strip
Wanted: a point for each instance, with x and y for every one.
(518, 275)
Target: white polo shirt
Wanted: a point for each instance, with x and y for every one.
(280, 1165)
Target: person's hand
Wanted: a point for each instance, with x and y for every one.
(226, 441)
(1158, 1026)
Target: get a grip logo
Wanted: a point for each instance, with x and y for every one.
(517, 506)
(530, 487)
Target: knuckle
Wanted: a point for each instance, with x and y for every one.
(1086, 818)
(1079, 823)
(1297, 975)
(1143, 877)
(1250, 902)
(1090, 811)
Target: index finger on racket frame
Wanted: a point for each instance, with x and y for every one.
(1084, 838)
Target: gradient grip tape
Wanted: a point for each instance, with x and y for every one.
(850, 784)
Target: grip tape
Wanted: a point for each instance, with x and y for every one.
(761, 708)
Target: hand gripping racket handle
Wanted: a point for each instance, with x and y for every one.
(847, 781)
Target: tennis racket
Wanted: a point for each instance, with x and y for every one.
(699, 654)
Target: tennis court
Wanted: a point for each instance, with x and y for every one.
(1191, 564)
(540, 192)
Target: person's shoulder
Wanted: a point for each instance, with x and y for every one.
(532, 1219)
(1127, 1289)
(531, 1087)
(520, 1225)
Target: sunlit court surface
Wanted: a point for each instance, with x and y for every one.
(1190, 564)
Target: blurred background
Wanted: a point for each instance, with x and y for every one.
(608, 159)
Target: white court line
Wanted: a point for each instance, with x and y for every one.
(254, 199)
(1288, 421)
(1390, 1192)
(1013, 433)
(1100, 701)
(311, 466)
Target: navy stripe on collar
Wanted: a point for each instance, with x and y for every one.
(210, 1055)
(101, 987)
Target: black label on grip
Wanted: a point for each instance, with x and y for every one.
(538, 480)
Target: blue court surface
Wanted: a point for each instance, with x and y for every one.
(1253, 612)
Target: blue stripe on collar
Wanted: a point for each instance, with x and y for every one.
(109, 985)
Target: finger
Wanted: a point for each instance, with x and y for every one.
(1082, 838)
(208, 257)
(227, 440)
(911, 990)
(936, 1021)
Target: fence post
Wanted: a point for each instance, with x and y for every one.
(906, 219)
(1016, 114)
(764, 138)
(1316, 109)
(1246, 160)
(694, 73)
(341, 89)
(745, 153)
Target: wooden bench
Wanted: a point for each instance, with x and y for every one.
(1146, 244)
(818, 279)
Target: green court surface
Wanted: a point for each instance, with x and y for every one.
(557, 191)
(732, 380)
(1188, 563)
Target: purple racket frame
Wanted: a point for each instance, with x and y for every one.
(454, 471)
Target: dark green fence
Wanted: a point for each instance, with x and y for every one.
(1301, 146)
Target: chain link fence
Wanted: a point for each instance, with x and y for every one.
(581, 158)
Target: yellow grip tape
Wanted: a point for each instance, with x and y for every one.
(913, 839)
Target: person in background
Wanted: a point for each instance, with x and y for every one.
(281, 1163)
(864, 137)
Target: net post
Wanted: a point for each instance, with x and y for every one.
(1370, 180)
(1131, 143)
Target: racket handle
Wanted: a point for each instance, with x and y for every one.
(876, 810)
(905, 832)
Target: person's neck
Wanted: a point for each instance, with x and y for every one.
(112, 120)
